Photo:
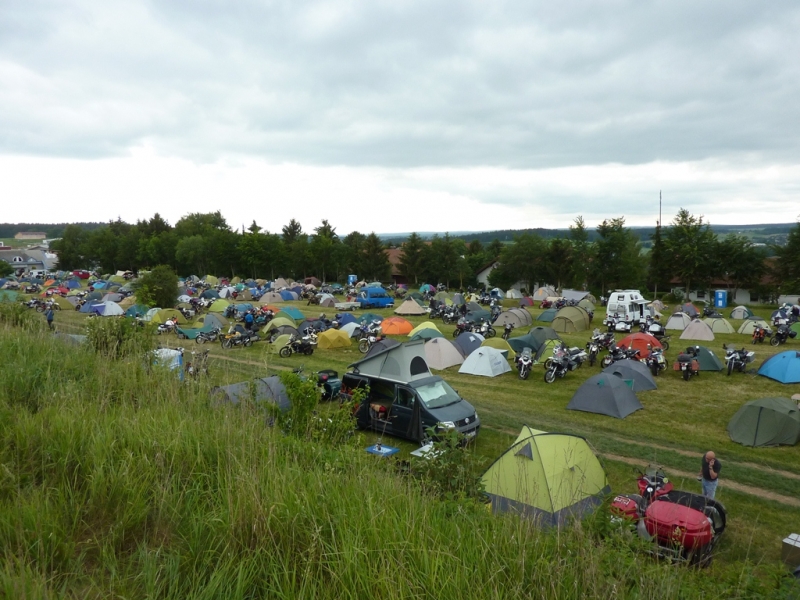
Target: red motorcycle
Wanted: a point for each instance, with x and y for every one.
(682, 525)
(760, 334)
(546, 304)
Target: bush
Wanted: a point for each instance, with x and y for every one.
(159, 287)
(450, 470)
(118, 338)
(15, 314)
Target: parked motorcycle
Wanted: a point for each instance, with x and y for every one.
(300, 345)
(559, 364)
(655, 361)
(524, 363)
(687, 363)
(618, 353)
(234, 340)
(682, 525)
(656, 329)
(168, 326)
(737, 360)
(365, 343)
(760, 334)
(207, 336)
(509, 327)
(485, 329)
(599, 341)
(616, 323)
(782, 334)
(463, 326)
(710, 312)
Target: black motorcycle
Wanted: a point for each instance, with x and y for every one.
(737, 360)
(599, 341)
(207, 336)
(524, 362)
(655, 361)
(618, 353)
(782, 334)
(559, 365)
(655, 329)
(300, 345)
(463, 326)
(687, 363)
(509, 327)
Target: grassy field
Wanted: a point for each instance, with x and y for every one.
(760, 487)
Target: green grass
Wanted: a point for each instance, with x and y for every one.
(118, 481)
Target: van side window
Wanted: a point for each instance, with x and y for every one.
(405, 397)
(380, 390)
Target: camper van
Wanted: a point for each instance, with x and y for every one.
(628, 305)
(377, 297)
(404, 399)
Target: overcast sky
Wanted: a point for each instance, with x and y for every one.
(402, 115)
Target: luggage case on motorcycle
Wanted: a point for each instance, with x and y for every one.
(671, 522)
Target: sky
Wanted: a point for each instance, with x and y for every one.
(399, 116)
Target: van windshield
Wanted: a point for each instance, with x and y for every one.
(437, 394)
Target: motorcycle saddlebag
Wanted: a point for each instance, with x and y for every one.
(678, 524)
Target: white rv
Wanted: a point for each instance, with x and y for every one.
(628, 305)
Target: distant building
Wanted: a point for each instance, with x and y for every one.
(30, 235)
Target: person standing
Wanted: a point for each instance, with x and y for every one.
(49, 314)
(710, 468)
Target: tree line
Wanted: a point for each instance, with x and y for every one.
(610, 257)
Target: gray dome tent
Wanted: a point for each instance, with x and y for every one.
(635, 371)
(605, 394)
(766, 422)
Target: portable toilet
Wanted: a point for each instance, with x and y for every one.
(351, 279)
(721, 299)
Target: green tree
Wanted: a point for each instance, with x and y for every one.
(787, 270)
(326, 230)
(159, 287)
(70, 248)
(658, 275)
(411, 257)
(582, 252)
(374, 260)
(292, 232)
(494, 249)
(739, 262)
(558, 260)
(353, 243)
(192, 254)
(252, 252)
(690, 247)
(5, 269)
(617, 258)
(523, 260)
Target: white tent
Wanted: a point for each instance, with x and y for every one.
(441, 354)
(741, 312)
(108, 309)
(410, 307)
(226, 291)
(350, 329)
(486, 362)
(543, 293)
(697, 330)
(719, 325)
(279, 283)
(513, 294)
(149, 314)
(678, 321)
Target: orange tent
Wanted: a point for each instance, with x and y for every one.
(640, 341)
(271, 307)
(396, 326)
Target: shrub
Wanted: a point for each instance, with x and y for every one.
(15, 314)
(118, 338)
(159, 287)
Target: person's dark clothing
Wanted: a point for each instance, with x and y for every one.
(706, 472)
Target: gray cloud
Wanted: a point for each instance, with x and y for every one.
(403, 84)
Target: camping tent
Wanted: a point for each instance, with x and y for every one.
(548, 477)
(396, 326)
(741, 312)
(635, 371)
(708, 360)
(333, 338)
(292, 313)
(486, 362)
(401, 362)
(678, 321)
(267, 389)
(571, 319)
(369, 318)
(526, 301)
(640, 341)
(279, 283)
(468, 342)
(215, 320)
(690, 309)
(352, 329)
(546, 349)
(586, 305)
(109, 309)
(719, 325)
(499, 344)
(163, 314)
(697, 330)
(523, 315)
(547, 316)
(442, 354)
(270, 297)
(426, 334)
(543, 293)
(219, 306)
(409, 307)
(766, 422)
(513, 294)
(421, 326)
(783, 367)
(605, 394)
(749, 324)
(525, 341)
(509, 316)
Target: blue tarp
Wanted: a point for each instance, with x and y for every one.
(783, 367)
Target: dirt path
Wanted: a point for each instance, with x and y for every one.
(727, 483)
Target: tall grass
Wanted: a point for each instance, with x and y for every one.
(119, 481)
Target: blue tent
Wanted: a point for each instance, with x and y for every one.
(287, 296)
(783, 367)
(2, 281)
(294, 313)
(87, 307)
(71, 284)
(137, 310)
(315, 324)
(243, 307)
(467, 343)
(99, 285)
(210, 294)
(346, 318)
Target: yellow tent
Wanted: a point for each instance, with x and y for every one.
(424, 325)
(211, 280)
(333, 338)
(219, 306)
(279, 321)
(167, 313)
(275, 346)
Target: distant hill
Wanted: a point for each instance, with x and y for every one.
(51, 230)
(771, 233)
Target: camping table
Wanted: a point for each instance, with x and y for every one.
(381, 450)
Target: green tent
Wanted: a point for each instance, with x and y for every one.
(547, 316)
(524, 341)
(766, 422)
(708, 360)
(549, 477)
(571, 319)
(426, 334)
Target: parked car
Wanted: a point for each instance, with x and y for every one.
(374, 297)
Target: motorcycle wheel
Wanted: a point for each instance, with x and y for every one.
(686, 374)
(227, 344)
(200, 339)
(285, 352)
(548, 363)
(549, 376)
(308, 351)
(455, 333)
(654, 370)
(665, 345)
(158, 332)
(491, 333)
(606, 362)
(248, 342)
(592, 360)
(524, 373)
(774, 341)
(363, 346)
(730, 367)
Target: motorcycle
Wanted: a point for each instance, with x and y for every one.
(738, 360)
(616, 323)
(599, 341)
(365, 343)
(546, 304)
(558, 365)
(187, 313)
(233, 340)
(687, 363)
(655, 361)
(655, 329)
(168, 326)
(207, 336)
(485, 329)
(463, 326)
(618, 353)
(682, 525)
(495, 311)
(302, 345)
(711, 313)
(782, 334)
(760, 334)
(450, 314)
(509, 327)
(524, 363)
